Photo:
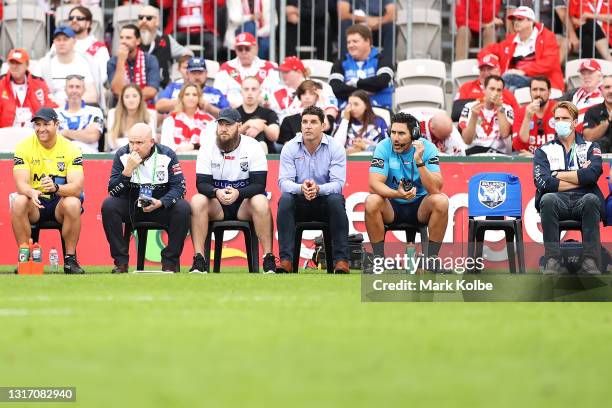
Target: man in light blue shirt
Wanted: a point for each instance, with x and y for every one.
(312, 174)
(406, 185)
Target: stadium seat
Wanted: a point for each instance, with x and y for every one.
(47, 225)
(300, 227)
(411, 96)
(463, 71)
(11, 136)
(123, 15)
(572, 76)
(426, 33)
(319, 69)
(250, 239)
(522, 95)
(212, 67)
(383, 113)
(97, 23)
(421, 71)
(33, 33)
(411, 231)
(496, 196)
(418, 112)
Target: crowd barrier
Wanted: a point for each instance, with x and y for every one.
(93, 248)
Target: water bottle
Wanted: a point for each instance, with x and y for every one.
(53, 259)
(24, 253)
(36, 253)
(411, 256)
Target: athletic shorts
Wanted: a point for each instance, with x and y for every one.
(47, 213)
(230, 212)
(407, 212)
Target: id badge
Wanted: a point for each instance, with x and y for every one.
(145, 192)
(23, 115)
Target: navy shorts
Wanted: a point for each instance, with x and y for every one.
(407, 212)
(230, 212)
(47, 213)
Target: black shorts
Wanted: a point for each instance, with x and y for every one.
(230, 212)
(407, 212)
(47, 213)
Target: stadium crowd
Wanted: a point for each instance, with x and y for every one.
(115, 101)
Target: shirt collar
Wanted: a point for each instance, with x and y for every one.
(532, 37)
(324, 139)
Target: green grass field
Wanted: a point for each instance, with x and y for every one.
(305, 340)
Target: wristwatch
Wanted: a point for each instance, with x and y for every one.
(56, 188)
(421, 164)
(554, 174)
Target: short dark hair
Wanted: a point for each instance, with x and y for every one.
(494, 77)
(85, 12)
(360, 29)
(307, 85)
(541, 79)
(133, 27)
(314, 110)
(406, 118)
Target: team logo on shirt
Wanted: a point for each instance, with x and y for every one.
(61, 166)
(244, 166)
(379, 163)
(78, 161)
(492, 193)
(17, 161)
(160, 175)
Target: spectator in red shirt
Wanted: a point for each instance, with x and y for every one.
(591, 19)
(469, 14)
(589, 94)
(488, 65)
(534, 123)
(531, 51)
(21, 93)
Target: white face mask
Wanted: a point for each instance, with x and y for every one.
(563, 129)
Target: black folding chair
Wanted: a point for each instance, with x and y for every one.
(250, 239)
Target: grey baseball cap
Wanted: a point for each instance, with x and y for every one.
(230, 115)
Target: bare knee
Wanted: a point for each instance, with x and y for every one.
(21, 205)
(374, 203)
(439, 202)
(199, 203)
(71, 206)
(259, 204)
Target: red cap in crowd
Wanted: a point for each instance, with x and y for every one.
(292, 64)
(590, 65)
(245, 39)
(19, 55)
(490, 60)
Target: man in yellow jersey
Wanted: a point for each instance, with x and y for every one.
(48, 173)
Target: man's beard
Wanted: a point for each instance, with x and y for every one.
(78, 30)
(147, 37)
(228, 145)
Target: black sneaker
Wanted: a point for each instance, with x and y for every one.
(71, 266)
(589, 267)
(269, 263)
(199, 264)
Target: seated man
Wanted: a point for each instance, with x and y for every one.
(21, 93)
(311, 177)
(589, 94)
(162, 46)
(374, 14)
(486, 124)
(81, 21)
(83, 124)
(598, 119)
(48, 173)
(257, 122)
(406, 187)
(146, 184)
(231, 180)
(531, 51)
(534, 123)
(212, 100)
(231, 73)
(487, 65)
(438, 128)
(566, 171)
(133, 65)
(66, 60)
(364, 68)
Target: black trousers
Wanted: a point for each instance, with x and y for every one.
(586, 208)
(117, 211)
(330, 209)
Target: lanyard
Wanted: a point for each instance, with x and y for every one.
(572, 154)
(154, 168)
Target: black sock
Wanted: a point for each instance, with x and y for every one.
(378, 248)
(69, 256)
(433, 248)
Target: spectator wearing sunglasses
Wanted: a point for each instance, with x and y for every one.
(231, 74)
(534, 124)
(163, 46)
(80, 20)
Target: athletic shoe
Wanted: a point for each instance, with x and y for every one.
(341, 267)
(284, 267)
(589, 267)
(120, 269)
(71, 266)
(199, 264)
(554, 267)
(269, 263)
(369, 260)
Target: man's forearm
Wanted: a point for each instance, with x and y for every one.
(69, 190)
(165, 105)
(87, 135)
(524, 131)
(565, 186)
(597, 132)
(148, 92)
(469, 132)
(504, 125)
(384, 190)
(568, 176)
(432, 182)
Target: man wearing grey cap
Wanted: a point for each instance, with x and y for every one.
(48, 173)
(231, 181)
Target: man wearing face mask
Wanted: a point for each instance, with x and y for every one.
(565, 172)
(534, 123)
